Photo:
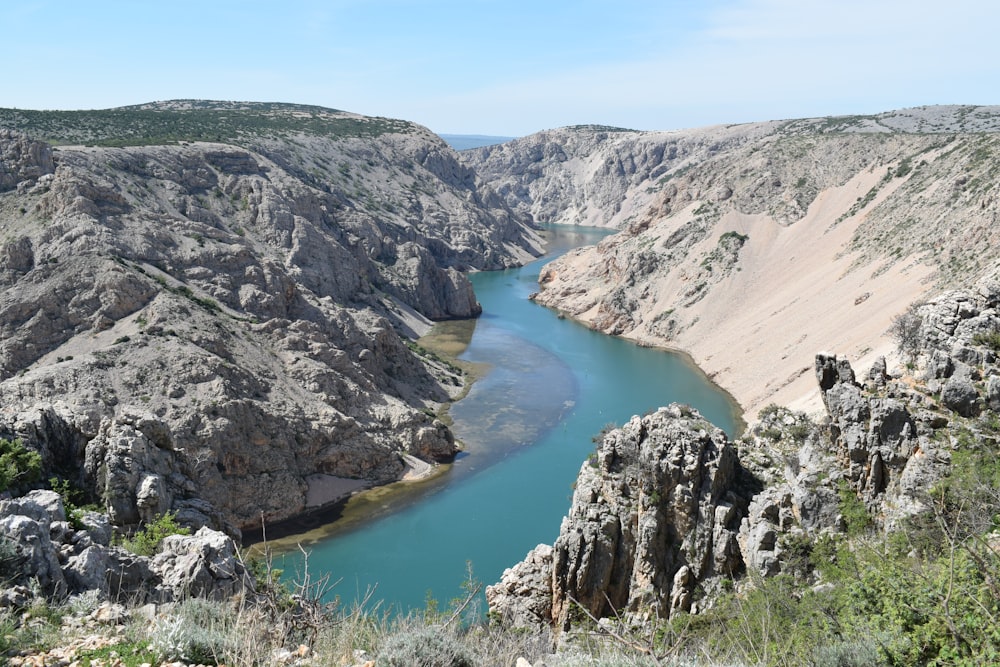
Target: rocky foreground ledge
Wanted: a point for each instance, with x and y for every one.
(46, 554)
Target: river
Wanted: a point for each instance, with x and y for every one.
(527, 425)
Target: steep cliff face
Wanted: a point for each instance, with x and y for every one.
(753, 246)
(656, 510)
(595, 175)
(204, 326)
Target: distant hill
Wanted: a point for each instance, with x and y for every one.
(173, 121)
(461, 142)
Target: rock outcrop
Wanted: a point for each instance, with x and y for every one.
(201, 326)
(655, 514)
(23, 161)
(44, 552)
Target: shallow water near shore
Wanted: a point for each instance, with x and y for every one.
(527, 425)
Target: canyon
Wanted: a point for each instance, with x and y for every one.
(211, 309)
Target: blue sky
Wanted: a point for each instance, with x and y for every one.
(509, 67)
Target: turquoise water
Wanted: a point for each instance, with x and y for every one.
(527, 426)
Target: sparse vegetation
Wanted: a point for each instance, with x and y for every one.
(424, 646)
(905, 330)
(73, 499)
(736, 237)
(989, 339)
(146, 541)
(19, 466)
(194, 120)
(599, 128)
(183, 290)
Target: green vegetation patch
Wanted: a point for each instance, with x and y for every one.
(18, 464)
(170, 123)
(146, 541)
(599, 128)
(126, 654)
(989, 339)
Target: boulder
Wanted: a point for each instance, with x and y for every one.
(37, 559)
(205, 564)
(89, 570)
(993, 392)
(959, 394)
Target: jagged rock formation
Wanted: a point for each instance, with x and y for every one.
(667, 508)
(822, 228)
(656, 511)
(42, 548)
(22, 160)
(201, 326)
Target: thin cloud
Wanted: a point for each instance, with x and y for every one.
(760, 59)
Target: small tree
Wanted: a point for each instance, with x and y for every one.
(18, 464)
(146, 542)
(905, 330)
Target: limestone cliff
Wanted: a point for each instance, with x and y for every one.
(656, 510)
(752, 246)
(203, 325)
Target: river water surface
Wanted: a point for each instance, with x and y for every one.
(527, 425)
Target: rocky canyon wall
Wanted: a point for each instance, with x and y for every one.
(751, 247)
(203, 326)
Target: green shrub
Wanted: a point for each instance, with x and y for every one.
(126, 654)
(990, 340)
(18, 465)
(800, 431)
(905, 330)
(146, 541)
(426, 647)
(8, 638)
(854, 512)
(773, 623)
(736, 236)
(848, 654)
(74, 501)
